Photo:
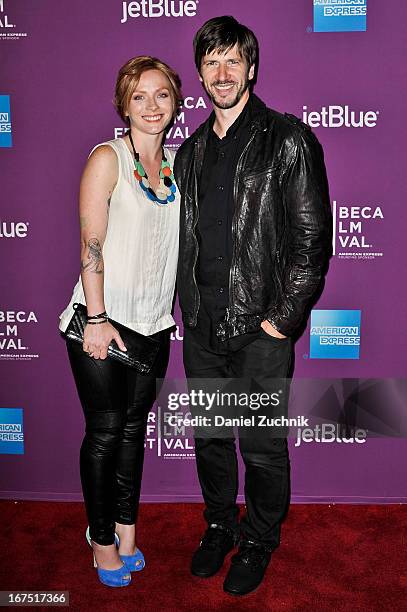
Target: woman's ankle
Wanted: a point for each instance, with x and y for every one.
(127, 535)
(125, 530)
(107, 557)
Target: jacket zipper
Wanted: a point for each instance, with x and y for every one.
(232, 267)
(280, 284)
(196, 242)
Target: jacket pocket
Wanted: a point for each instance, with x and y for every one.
(262, 171)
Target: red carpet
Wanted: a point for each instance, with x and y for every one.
(339, 557)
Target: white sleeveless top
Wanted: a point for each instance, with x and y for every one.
(140, 253)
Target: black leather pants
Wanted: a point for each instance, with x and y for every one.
(115, 401)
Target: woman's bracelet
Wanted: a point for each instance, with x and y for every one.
(98, 318)
(98, 322)
(101, 315)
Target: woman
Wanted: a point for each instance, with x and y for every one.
(129, 215)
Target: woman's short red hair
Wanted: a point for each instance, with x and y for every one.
(129, 77)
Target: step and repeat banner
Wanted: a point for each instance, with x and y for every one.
(339, 65)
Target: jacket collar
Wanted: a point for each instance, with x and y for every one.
(258, 121)
(259, 113)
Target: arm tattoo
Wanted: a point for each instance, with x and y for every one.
(95, 258)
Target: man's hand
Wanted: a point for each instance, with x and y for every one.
(269, 329)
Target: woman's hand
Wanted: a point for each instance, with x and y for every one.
(96, 339)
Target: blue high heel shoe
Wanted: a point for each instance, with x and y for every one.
(112, 578)
(136, 562)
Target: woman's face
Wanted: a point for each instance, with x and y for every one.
(151, 108)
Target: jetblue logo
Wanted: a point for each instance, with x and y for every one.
(335, 334)
(5, 122)
(340, 15)
(159, 8)
(13, 230)
(334, 116)
(11, 431)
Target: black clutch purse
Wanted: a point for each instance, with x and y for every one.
(141, 350)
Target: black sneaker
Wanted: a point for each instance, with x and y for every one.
(247, 569)
(215, 545)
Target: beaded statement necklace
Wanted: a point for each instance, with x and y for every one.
(166, 189)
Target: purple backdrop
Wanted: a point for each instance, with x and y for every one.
(58, 64)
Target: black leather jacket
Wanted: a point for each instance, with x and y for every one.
(282, 226)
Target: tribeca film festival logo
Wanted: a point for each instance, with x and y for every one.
(165, 440)
(340, 15)
(12, 345)
(335, 116)
(351, 226)
(5, 122)
(180, 130)
(7, 27)
(335, 334)
(11, 431)
(159, 8)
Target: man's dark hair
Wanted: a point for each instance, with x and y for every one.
(223, 33)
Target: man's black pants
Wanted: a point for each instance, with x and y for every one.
(267, 481)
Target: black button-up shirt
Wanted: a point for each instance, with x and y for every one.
(214, 230)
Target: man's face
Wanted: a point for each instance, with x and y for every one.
(225, 77)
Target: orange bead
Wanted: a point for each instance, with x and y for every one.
(166, 171)
(136, 174)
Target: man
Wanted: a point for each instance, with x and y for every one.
(254, 243)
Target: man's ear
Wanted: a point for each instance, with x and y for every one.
(251, 72)
(199, 77)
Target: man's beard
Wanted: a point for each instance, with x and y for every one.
(224, 104)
